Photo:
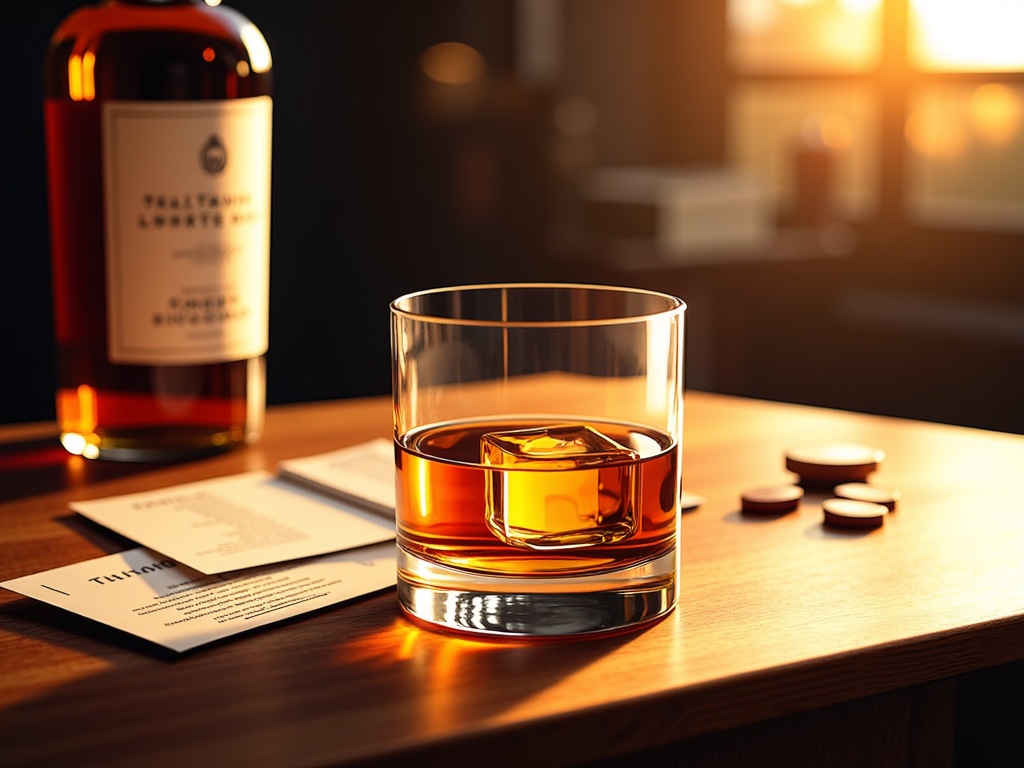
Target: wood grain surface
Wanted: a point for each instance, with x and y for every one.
(779, 615)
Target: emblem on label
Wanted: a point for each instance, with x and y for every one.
(213, 157)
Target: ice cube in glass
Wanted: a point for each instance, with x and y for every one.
(559, 486)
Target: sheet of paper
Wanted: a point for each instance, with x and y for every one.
(363, 473)
(239, 521)
(153, 597)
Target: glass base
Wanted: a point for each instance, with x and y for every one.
(536, 607)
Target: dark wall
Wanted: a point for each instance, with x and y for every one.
(376, 192)
(366, 187)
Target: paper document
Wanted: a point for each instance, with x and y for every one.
(229, 554)
(239, 521)
(361, 473)
(155, 598)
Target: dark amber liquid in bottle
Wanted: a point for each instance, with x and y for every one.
(134, 51)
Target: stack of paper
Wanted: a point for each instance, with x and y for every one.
(223, 556)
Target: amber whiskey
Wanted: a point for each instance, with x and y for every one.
(525, 497)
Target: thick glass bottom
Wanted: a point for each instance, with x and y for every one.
(526, 607)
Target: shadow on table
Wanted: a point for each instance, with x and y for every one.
(39, 464)
(381, 682)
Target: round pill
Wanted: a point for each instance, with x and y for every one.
(833, 462)
(847, 513)
(772, 499)
(887, 497)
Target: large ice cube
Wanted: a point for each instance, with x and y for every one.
(559, 486)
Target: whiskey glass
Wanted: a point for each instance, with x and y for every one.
(538, 431)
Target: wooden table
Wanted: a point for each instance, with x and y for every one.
(799, 644)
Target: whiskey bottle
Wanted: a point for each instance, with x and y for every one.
(158, 136)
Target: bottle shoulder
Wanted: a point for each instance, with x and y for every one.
(156, 51)
(88, 25)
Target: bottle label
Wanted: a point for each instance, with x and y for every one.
(187, 197)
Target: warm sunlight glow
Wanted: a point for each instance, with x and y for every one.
(995, 111)
(751, 17)
(75, 77)
(452, 63)
(804, 35)
(408, 645)
(980, 35)
(88, 76)
(77, 412)
(24, 683)
(77, 408)
(860, 6)
(423, 489)
(77, 445)
(830, 130)
(256, 45)
(935, 133)
(81, 77)
(74, 444)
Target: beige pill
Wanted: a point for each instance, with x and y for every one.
(887, 497)
(772, 499)
(848, 513)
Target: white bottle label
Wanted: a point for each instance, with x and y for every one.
(187, 196)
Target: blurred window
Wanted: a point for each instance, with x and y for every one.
(966, 36)
(805, 35)
(777, 127)
(942, 79)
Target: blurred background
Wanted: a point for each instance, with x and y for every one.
(835, 187)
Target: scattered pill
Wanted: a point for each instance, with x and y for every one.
(689, 501)
(887, 497)
(832, 463)
(774, 499)
(848, 513)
